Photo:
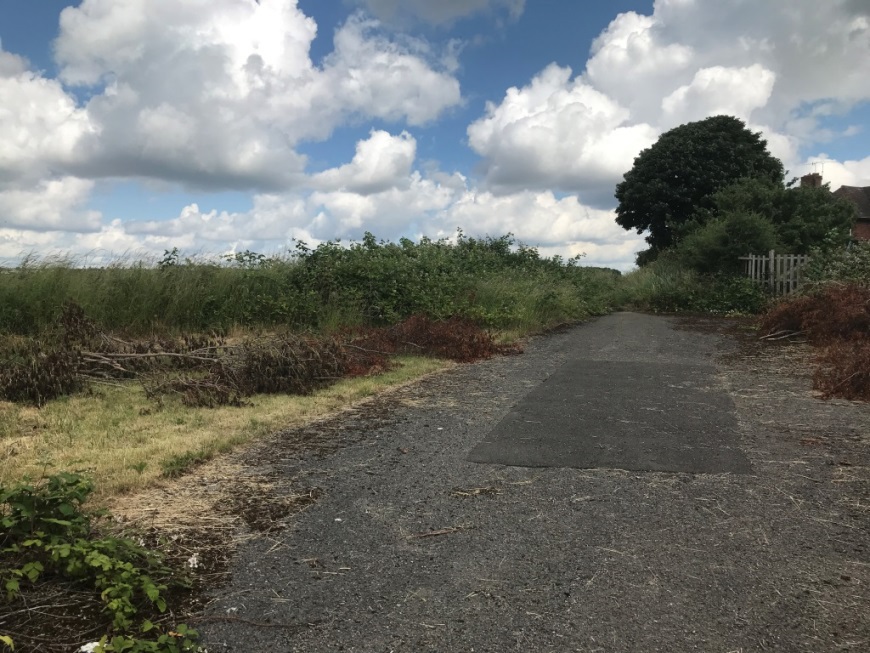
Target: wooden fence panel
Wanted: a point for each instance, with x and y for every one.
(782, 274)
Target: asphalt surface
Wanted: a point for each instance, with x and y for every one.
(501, 506)
(621, 415)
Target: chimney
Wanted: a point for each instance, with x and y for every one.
(812, 180)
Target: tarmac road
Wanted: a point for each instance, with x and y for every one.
(619, 487)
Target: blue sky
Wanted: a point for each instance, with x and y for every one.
(132, 126)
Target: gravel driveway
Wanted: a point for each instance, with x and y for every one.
(411, 547)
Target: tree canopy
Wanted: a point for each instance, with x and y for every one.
(675, 178)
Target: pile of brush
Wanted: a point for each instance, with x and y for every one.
(212, 371)
(835, 317)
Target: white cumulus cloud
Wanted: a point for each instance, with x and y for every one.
(719, 90)
(781, 67)
(559, 133)
(49, 205)
(382, 161)
(40, 124)
(218, 93)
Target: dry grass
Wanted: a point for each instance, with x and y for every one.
(127, 443)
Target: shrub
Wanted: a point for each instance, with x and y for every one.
(717, 246)
(32, 373)
(48, 535)
(846, 264)
(731, 294)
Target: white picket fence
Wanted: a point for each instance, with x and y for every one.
(780, 273)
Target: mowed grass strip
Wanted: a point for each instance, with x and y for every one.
(126, 442)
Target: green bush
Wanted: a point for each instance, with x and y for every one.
(843, 264)
(48, 534)
(325, 288)
(716, 247)
(668, 286)
(731, 294)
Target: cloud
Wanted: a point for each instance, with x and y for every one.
(49, 205)
(371, 75)
(378, 190)
(218, 93)
(638, 60)
(381, 162)
(558, 133)
(39, 124)
(440, 12)
(719, 90)
(771, 64)
(840, 173)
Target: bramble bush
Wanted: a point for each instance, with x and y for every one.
(48, 534)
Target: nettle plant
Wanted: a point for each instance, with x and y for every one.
(47, 533)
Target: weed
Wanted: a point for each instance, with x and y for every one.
(328, 287)
(177, 465)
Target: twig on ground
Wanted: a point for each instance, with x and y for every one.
(441, 531)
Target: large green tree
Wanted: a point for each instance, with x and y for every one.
(678, 176)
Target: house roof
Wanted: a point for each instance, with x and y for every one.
(859, 196)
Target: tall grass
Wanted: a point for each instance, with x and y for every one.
(492, 280)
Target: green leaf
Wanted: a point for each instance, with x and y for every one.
(8, 641)
(32, 570)
(59, 522)
(13, 587)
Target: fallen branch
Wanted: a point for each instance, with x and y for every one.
(781, 335)
(160, 354)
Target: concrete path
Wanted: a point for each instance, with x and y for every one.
(659, 412)
(422, 539)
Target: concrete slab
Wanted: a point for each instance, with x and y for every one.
(644, 416)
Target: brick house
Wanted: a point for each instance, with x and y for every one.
(860, 197)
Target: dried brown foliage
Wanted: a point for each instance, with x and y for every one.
(287, 364)
(33, 373)
(207, 371)
(833, 312)
(457, 339)
(835, 317)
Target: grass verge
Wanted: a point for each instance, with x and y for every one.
(125, 442)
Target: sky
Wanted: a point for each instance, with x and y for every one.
(132, 127)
